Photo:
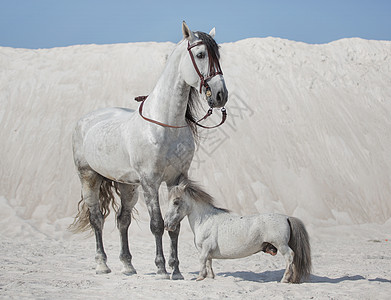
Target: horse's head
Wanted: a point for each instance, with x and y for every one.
(178, 207)
(200, 66)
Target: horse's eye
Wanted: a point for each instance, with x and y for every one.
(176, 202)
(201, 55)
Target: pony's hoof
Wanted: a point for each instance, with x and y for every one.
(177, 276)
(199, 278)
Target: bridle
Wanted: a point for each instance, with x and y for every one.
(213, 70)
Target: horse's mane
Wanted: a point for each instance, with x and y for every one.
(210, 43)
(192, 106)
(194, 97)
(195, 192)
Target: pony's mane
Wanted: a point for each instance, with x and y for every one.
(195, 192)
(194, 97)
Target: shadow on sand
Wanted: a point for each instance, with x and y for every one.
(275, 276)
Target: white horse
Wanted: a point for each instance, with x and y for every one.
(220, 234)
(122, 149)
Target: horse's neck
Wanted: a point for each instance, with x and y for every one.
(168, 101)
(199, 213)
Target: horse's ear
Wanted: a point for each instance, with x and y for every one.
(187, 33)
(212, 33)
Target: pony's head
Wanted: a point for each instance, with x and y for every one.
(183, 198)
(178, 206)
(200, 66)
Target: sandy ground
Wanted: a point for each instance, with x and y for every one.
(37, 267)
(307, 135)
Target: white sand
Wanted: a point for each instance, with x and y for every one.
(308, 134)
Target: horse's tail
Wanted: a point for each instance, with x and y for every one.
(107, 188)
(299, 242)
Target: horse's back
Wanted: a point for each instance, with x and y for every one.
(98, 140)
(102, 115)
(98, 121)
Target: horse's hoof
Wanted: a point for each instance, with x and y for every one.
(129, 272)
(102, 270)
(200, 278)
(177, 276)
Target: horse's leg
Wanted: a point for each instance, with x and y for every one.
(129, 197)
(173, 262)
(90, 182)
(151, 197)
(288, 256)
(209, 269)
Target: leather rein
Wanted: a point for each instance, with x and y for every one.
(214, 69)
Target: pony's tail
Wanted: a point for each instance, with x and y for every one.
(107, 188)
(299, 242)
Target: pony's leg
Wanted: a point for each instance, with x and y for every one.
(203, 270)
(173, 262)
(210, 273)
(156, 225)
(129, 197)
(90, 182)
(288, 256)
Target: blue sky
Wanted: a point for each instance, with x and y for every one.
(58, 23)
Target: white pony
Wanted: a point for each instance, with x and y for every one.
(220, 234)
(123, 149)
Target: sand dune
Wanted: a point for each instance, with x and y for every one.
(308, 135)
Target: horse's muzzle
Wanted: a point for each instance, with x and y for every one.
(218, 99)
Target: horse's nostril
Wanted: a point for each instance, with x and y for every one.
(219, 96)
